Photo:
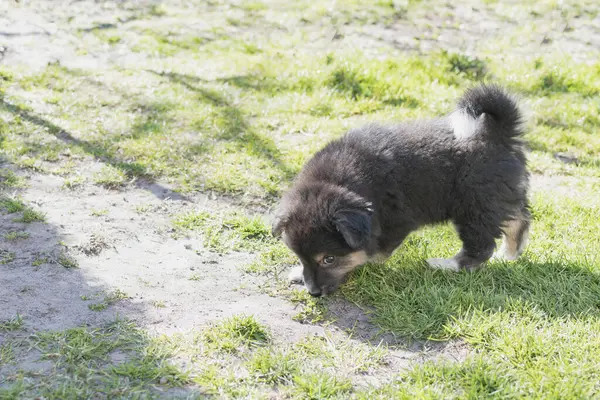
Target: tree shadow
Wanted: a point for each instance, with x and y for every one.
(41, 252)
(100, 27)
(32, 33)
(253, 82)
(59, 323)
(131, 169)
(394, 42)
(589, 126)
(233, 124)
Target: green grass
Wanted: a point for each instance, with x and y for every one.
(109, 298)
(311, 310)
(11, 205)
(67, 261)
(509, 313)
(80, 353)
(30, 215)
(12, 324)
(159, 304)
(7, 256)
(316, 367)
(99, 213)
(272, 367)
(39, 261)
(321, 386)
(110, 177)
(235, 333)
(73, 183)
(226, 232)
(8, 179)
(248, 128)
(557, 276)
(526, 321)
(16, 235)
(7, 355)
(195, 277)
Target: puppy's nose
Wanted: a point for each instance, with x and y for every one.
(316, 293)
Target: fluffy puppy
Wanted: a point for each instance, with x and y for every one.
(360, 196)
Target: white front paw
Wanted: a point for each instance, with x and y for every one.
(448, 264)
(295, 275)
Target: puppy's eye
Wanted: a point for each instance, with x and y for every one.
(328, 260)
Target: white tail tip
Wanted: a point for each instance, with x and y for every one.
(463, 124)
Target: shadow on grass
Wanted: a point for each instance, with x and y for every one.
(587, 125)
(13, 34)
(253, 82)
(418, 303)
(99, 27)
(59, 325)
(232, 123)
(131, 169)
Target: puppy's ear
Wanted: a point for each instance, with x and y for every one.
(282, 214)
(279, 222)
(354, 224)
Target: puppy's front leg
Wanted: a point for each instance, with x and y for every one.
(449, 264)
(478, 247)
(296, 275)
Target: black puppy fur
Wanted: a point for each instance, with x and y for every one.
(362, 194)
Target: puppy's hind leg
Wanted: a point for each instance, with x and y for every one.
(515, 237)
(478, 247)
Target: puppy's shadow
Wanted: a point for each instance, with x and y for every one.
(400, 303)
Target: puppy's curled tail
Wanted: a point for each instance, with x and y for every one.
(487, 109)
